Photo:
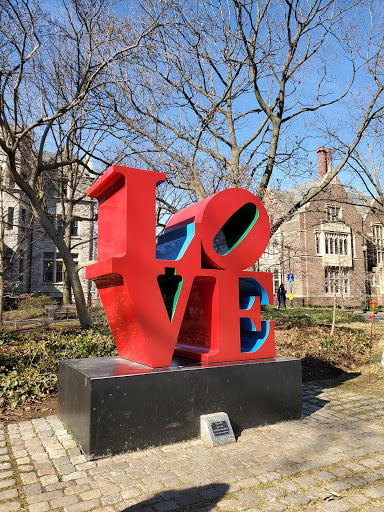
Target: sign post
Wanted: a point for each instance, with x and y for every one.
(290, 279)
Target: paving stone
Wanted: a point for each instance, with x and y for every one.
(306, 481)
(338, 486)
(65, 500)
(370, 463)
(46, 496)
(111, 509)
(82, 506)
(74, 476)
(373, 492)
(269, 477)
(341, 472)
(110, 499)
(48, 480)
(335, 506)
(188, 499)
(372, 477)
(356, 468)
(289, 486)
(210, 493)
(6, 474)
(297, 500)
(26, 468)
(39, 507)
(167, 506)
(276, 506)
(89, 495)
(7, 483)
(317, 493)
(271, 493)
(325, 476)
(8, 494)
(29, 478)
(249, 498)
(77, 489)
(8, 507)
(356, 481)
(357, 499)
(32, 489)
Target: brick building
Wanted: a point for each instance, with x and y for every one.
(32, 263)
(327, 244)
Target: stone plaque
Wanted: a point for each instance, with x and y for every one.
(216, 429)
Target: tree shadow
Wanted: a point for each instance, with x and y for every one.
(311, 404)
(205, 495)
(314, 368)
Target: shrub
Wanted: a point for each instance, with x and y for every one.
(29, 362)
(35, 302)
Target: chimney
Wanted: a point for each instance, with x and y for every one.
(324, 161)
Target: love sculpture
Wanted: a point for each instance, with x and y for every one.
(189, 294)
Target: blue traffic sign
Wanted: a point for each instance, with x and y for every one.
(290, 278)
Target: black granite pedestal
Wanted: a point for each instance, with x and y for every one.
(112, 405)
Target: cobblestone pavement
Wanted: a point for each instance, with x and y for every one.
(332, 460)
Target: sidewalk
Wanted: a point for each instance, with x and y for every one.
(332, 460)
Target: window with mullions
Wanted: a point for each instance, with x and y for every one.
(48, 262)
(378, 238)
(336, 281)
(336, 243)
(59, 271)
(75, 228)
(333, 213)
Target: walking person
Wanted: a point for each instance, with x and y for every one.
(282, 294)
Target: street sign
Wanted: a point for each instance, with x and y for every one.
(290, 278)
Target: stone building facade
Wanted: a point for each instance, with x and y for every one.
(327, 244)
(32, 263)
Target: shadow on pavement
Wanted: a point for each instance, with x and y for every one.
(311, 402)
(211, 493)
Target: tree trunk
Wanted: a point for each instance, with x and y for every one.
(78, 293)
(67, 291)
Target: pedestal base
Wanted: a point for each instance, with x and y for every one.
(112, 405)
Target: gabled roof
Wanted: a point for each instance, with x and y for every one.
(291, 196)
(288, 198)
(361, 202)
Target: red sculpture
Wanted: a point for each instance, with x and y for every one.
(189, 294)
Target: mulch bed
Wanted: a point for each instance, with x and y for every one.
(46, 407)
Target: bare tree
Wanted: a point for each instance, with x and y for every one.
(224, 94)
(51, 70)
